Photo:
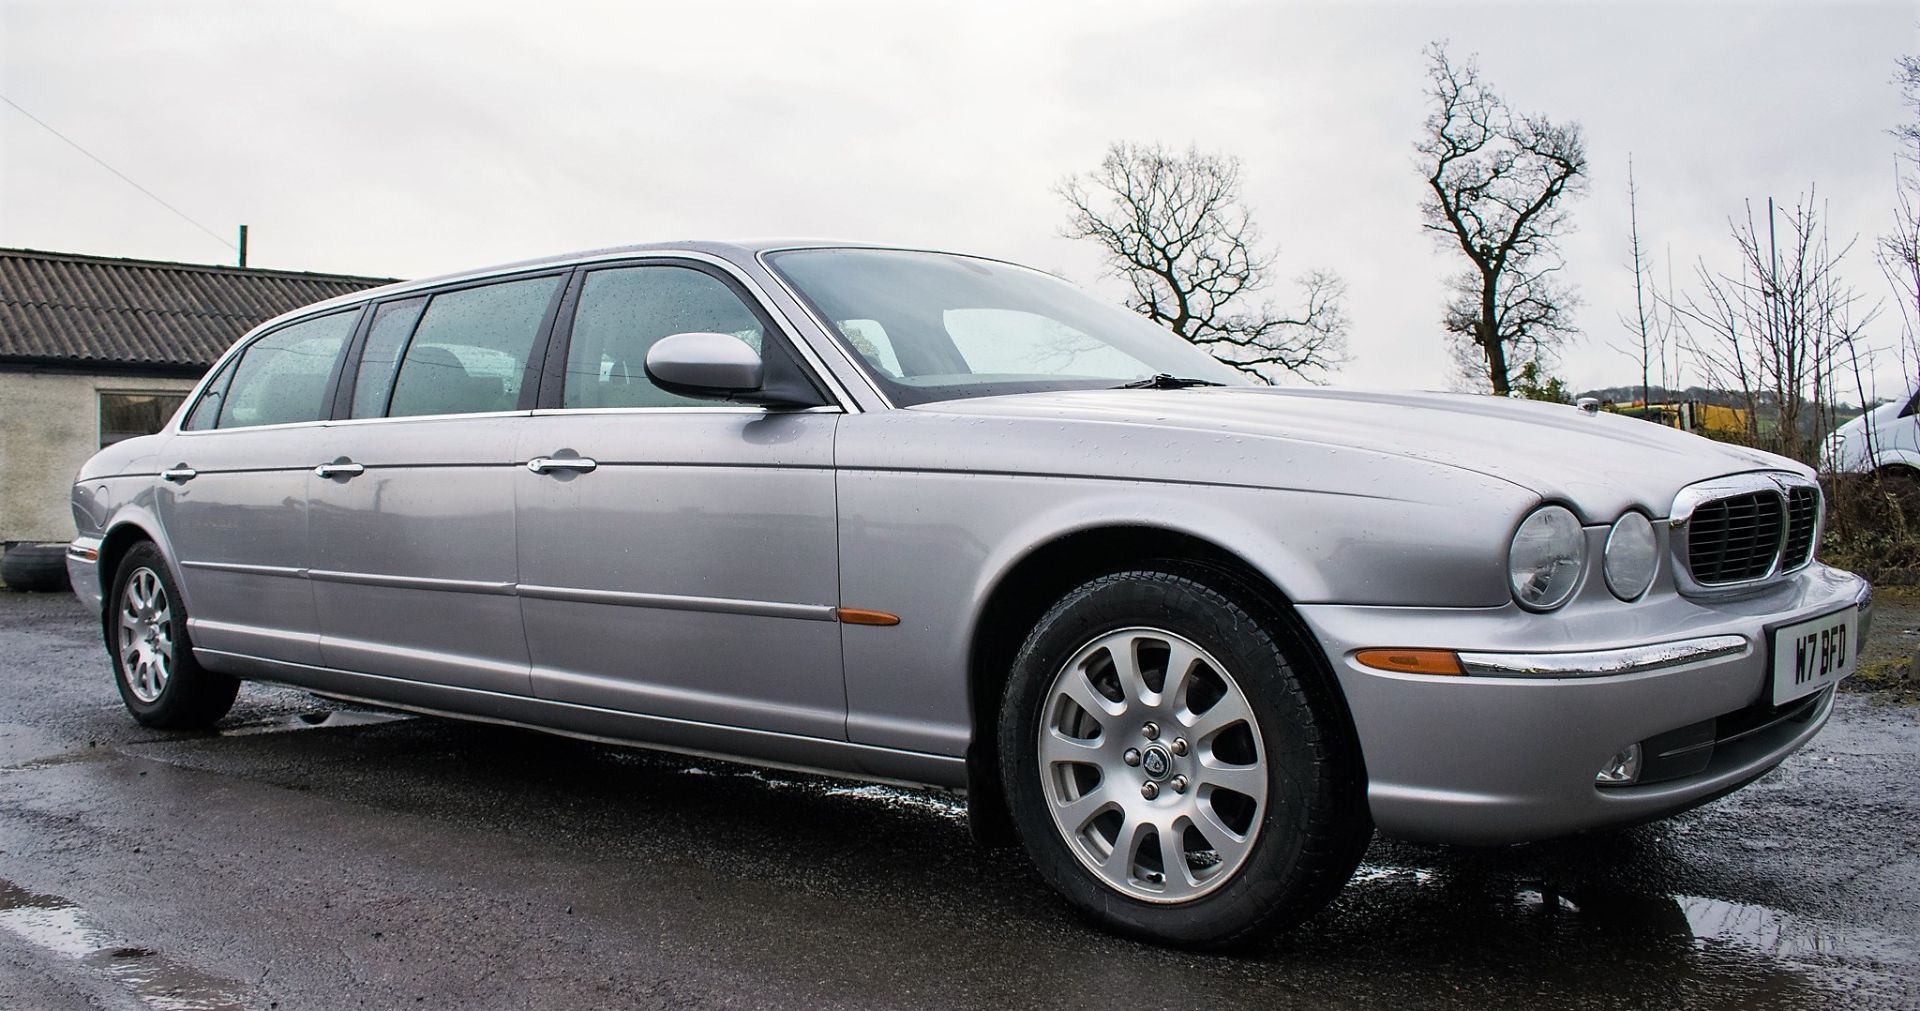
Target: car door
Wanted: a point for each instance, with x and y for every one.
(233, 500)
(413, 529)
(677, 556)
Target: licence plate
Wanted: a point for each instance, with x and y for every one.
(1812, 654)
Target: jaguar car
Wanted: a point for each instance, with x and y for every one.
(943, 521)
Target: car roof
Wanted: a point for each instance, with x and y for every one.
(740, 251)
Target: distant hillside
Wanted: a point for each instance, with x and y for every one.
(1663, 395)
(1721, 398)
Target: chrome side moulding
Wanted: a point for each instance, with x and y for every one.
(290, 571)
(411, 582)
(661, 601)
(678, 602)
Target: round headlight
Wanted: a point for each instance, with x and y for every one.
(1545, 560)
(1632, 556)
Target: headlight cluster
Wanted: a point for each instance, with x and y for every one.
(1632, 556)
(1549, 552)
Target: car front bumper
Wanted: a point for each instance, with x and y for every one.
(1495, 756)
(83, 571)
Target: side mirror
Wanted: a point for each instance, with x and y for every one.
(714, 365)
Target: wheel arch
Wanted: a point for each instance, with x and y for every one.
(120, 538)
(1024, 590)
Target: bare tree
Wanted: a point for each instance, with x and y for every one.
(1780, 327)
(1650, 328)
(1174, 228)
(1898, 252)
(1496, 179)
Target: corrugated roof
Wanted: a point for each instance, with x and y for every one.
(65, 308)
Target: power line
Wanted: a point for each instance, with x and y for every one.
(123, 176)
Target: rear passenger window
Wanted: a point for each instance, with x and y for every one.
(469, 352)
(623, 311)
(282, 377)
(392, 325)
(206, 410)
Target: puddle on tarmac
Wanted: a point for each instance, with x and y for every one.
(24, 748)
(1695, 935)
(58, 926)
(943, 805)
(316, 719)
(897, 798)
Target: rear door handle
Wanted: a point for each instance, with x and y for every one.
(339, 468)
(179, 474)
(545, 464)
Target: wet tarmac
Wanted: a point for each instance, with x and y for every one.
(310, 855)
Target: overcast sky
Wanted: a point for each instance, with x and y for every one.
(404, 139)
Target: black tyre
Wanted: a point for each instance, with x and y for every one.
(35, 568)
(1175, 765)
(146, 629)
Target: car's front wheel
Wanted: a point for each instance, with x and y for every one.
(1173, 766)
(146, 628)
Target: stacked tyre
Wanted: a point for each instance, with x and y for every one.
(35, 568)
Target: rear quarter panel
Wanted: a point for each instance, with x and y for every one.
(113, 496)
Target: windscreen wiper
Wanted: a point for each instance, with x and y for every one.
(1163, 381)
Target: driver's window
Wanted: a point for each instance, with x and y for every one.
(624, 311)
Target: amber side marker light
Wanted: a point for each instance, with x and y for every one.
(1411, 661)
(862, 616)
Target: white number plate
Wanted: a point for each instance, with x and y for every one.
(1813, 654)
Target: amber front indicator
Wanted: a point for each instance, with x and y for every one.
(862, 616)
(1411, 661)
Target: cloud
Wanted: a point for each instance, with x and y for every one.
(409, 139)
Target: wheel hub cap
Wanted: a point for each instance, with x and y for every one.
(1156, 762)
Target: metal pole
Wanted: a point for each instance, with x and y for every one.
(243, 246)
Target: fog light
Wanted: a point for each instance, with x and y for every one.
(1622, 769)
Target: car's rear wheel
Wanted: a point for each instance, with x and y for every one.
(1173, 765)
(146, 627)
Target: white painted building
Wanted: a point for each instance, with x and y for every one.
(94, 349)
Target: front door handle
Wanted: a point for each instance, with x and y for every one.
(339, 468)
(545, 464)
(179, 474)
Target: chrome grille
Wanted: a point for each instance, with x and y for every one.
(1734, 539)
(1803, 515)
(1745, 528)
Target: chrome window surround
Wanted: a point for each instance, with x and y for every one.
(358, 300)
(1693, 496)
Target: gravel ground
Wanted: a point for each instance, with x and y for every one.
(308, 855)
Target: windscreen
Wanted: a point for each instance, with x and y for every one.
(934, 326)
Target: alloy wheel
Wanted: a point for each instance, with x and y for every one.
(146, 635)
(1152, 765)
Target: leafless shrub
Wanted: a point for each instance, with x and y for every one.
(1782, 328)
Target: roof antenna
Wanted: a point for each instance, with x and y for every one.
(243, 247)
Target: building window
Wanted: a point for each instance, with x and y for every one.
(127, 415)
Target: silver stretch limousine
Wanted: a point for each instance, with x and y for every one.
(935, 519)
